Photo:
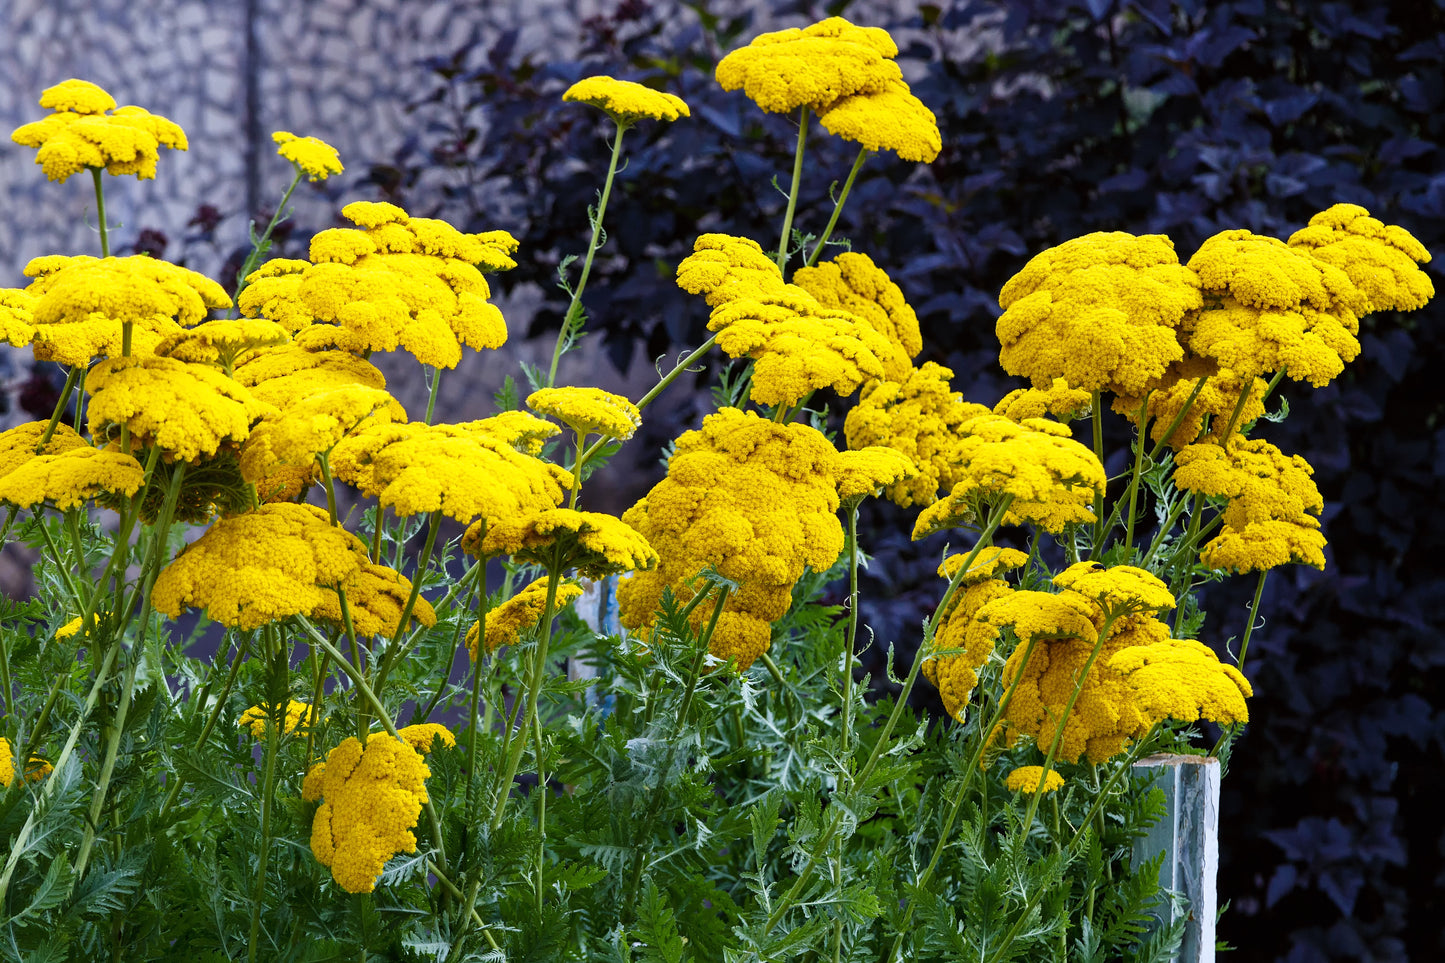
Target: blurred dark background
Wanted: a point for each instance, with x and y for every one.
(1058, 118)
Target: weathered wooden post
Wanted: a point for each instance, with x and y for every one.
(1188, 835)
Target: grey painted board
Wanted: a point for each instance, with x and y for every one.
(1189, 835)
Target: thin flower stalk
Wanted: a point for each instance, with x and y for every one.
(863, 155)
(785, 242)
(260, 245)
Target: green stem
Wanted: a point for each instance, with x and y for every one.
(393, 650)
(1178, 419)
(577, 470)
(1098, 425)
(1138, 471)
(267, 791)
(787, 237)
(1253, 612)
(1234, 417)
(261, 246)
(326, 482)
(433, 389)
(55, 416)
(574, 307)
(851, 652)
(95, 173)
(180, 779)
(483, 609)
(863, 154)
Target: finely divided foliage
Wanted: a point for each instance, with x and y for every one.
(707, 780)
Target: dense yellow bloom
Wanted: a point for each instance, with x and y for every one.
(1058, 400)
(269, 564)
(986, 564)
(853, 283)
(1099, 311)
(186, 410)
(312, 782)
(507, 622)
(284, 376)
(754, 499)
(35, 770)
(375, 602)
(798, 345)
(524, 432)
(220, 342)
(71, 478)
(297, 715)
(273, 292)
(17, 316)
(82, 304)
(313, 157)
(1264, 272)
(1025, 779)
(1216, 400)
(723, 268)
(1264, 481)
(953, 664)
(463, 474)
(86, 130)
(424, 735)
(371, 800)
(888, 119)
(18, 444)
(595, 544)
(921, 417)
(866, 472)
(300, 432)
(625, 101)
(1051, 477)
(1119, 591)
(1378, 258)
(588, 411)
(1266, 544)
(812, 67)
(1183, 679)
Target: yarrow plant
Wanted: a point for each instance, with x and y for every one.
(706, 778)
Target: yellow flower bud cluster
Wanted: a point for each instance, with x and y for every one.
(596, 545)
(754, 499)
(86, 130)
(507, 622)
(627, 102)
(852, 282)
(35, 770)
(956, 657)
(295, 715)
(313, 157)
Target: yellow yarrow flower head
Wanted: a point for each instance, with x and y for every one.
(990, 561)
(888, 119)
(626, 102)
(595, 544)
(17, 316)
(1216, 400)
(588, 411)
(952, 664)
(866, 472)
(812, 67)
(507, 622)
(186, 410)
(424, 736)
(723, 268)
(371, 800)
(1380, 259)
(1099, 311)
(524, 432)
(1050, 477)
(71, 478)
(222, 341)
(1262, 481)
(296, 715)
(19, 444)
(852, 282)
(1059, 399)
(286, 375)
(1256, 546)
(35, 770)
(375, 603)
(273, 292)
(1031, 779)
(87, 131)
(1122, 590)
(311, 156)
(1183, 679)
(84, 303)
(921, 417)
(251, 569)
(308, 429)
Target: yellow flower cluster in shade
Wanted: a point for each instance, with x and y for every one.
(18, 445)
(596, 545)
(752, 498)
(920, 416)
(371, 798)
(375, 603)
(300, 432)
(424, 736)
(866, 472)
(70, 479)
(1026, 779)
(186, 410)
(463, 472)
(78, 308)
(268, 564)
(1099, 311)
(285, 375)
(625, 101)
(1273, 503)
(507, 622)
(852, 282)
(395, 281)
(222, 341)
(588, 411)
(1379, 259)
(1059, 399)
(35, 770)
(297, 715)
(86, 130)
(1120, 591)
(1183, 679)
(1051, 478)
(952, 665)
(1216, 400)
(313, 157)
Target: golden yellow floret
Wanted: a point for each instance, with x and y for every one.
(1216, 400)
(70, 479)
(313, 157)
(308, 429)
(19, 444)
(1122, 590)
(507, 622)
(371, 800)
(852, 282)
(1261, 545)
(595, 544)
(297, 715)
(1183, 679)
(220, 342)
(1264, 272)
(265, 565)
(1059, 399)
(424, 736)
(374, 602)
(273, 292)
(17, 316)
(1260, 481)
(1099, 311)
(986, 564)
(1314, 345)
(187, 410)
(35, 770)
(866, 472)
(525, 432)
(289, 374)
(723, 268)
(888, 119)
(957, 655)
(588, 411)
(1379, 258)
(311, 783)
(625, 101)
(77, 96)
(1031, 779)
(813, 67)
(87, 131)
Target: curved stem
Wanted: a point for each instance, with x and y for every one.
(95, 173)
(785, 242)
(1253, 613)
(863, 155)
(261, 245)
(434, 385)
(574, 307)
(60, 404)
